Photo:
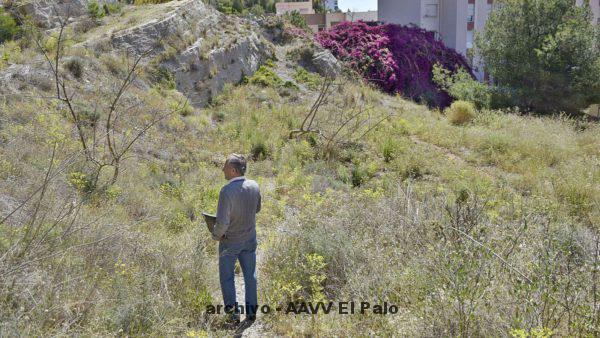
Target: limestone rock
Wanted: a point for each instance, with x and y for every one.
(326, 64)
(203, 48)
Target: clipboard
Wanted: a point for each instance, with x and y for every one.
(210, 220)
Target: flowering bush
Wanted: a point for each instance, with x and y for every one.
(399, 59)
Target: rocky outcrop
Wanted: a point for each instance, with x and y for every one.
(326, 64)
(317, 59)
(201, 47)
(49, 13)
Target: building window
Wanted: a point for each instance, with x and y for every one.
(431, 11)
(471, 13)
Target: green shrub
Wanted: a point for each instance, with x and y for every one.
(112, 8)
(265, 77)
(359, 176)
(389, 149)
(461, 86)
(75, 67)
(296, 19)
(460, 112)
(94, 10)
(163, 77)
(290, 85)
(8, 26)
(81, 182)
(259, 150)
(186, 110)
(176, 221)
(257, 10)
(297, 153)
(311, 80)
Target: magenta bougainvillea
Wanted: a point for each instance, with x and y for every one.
(398, 59)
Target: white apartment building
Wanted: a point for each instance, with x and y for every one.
(453, 21)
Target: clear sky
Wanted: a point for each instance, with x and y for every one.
(357, 5)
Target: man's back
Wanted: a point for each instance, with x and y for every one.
(239, 201)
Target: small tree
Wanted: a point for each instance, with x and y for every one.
(545, 53)
(8, 26)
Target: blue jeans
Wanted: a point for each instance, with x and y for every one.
(245, 252)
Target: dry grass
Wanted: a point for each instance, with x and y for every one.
(460, 112)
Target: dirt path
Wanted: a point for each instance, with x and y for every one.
(257, 329)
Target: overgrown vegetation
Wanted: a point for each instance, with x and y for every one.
(486, 227)
(460, 85)
(547, 58)
(8, 26)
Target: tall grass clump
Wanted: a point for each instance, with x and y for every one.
(460, 112)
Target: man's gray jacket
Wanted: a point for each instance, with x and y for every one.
(239, 201)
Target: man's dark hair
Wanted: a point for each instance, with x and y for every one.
(238, 162)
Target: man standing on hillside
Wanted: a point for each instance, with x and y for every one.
(235, 229)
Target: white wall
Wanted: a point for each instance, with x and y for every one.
(400, 11)
(430, 15)
(595, 4)
(453, 24)
(364, 16)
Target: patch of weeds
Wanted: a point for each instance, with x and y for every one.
(176, 221)
(186, 110)
(460, 112)
(81, 182)
(311, 80)
(94, 10)
(75, 67)
(389, 149)
(359, 175)
(163, 77)
(219, 116)
(259, 150)
(265, 77)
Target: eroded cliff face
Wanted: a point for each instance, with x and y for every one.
(201, 47)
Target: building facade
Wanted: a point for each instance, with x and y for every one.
(302, 7)
(368, 16)
(455, 22)
(447, 18)
(320, 21)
